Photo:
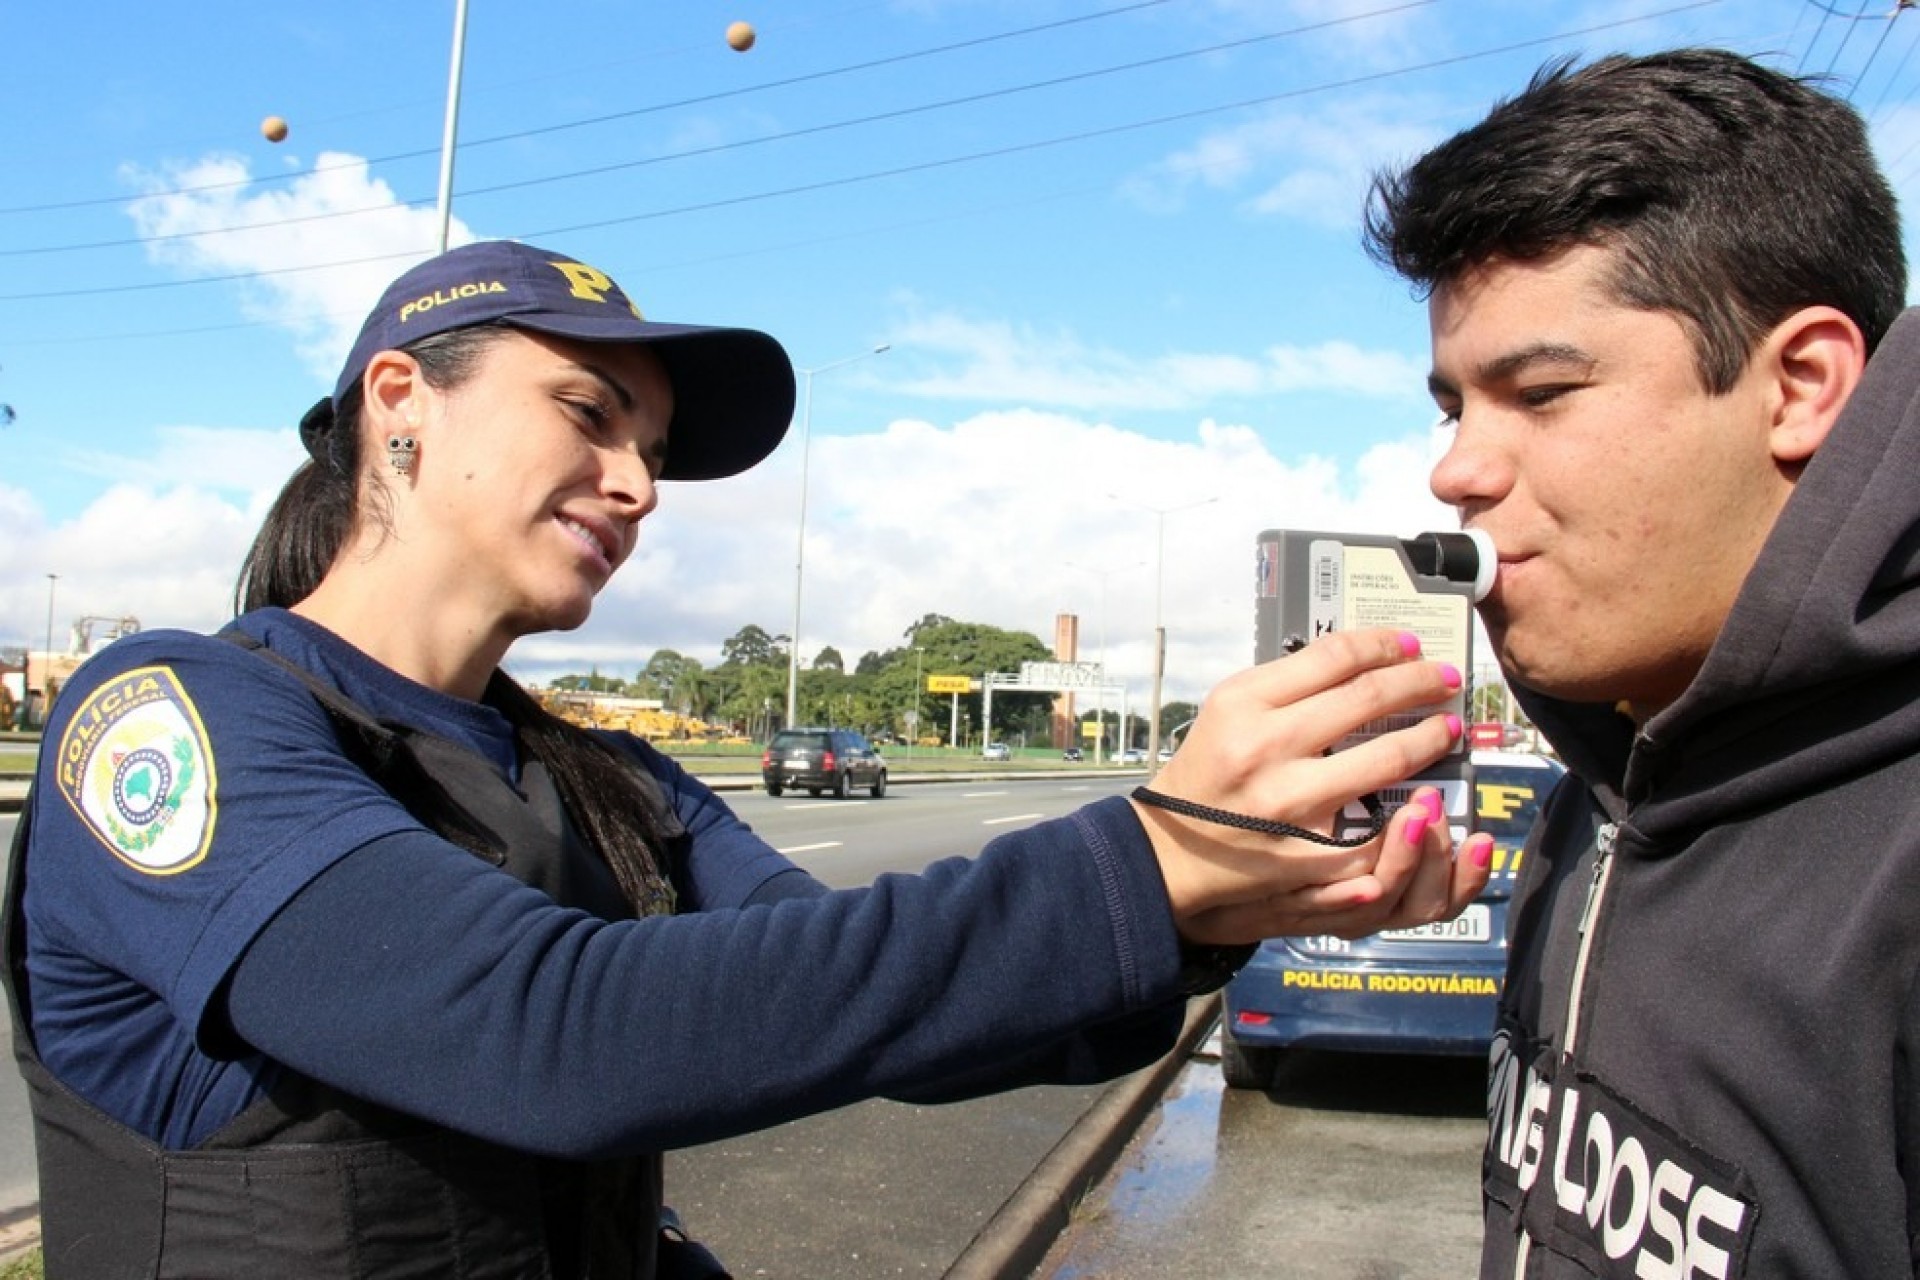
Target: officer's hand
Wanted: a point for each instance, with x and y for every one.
(1259, 748)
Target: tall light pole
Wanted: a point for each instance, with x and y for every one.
(800, 551)
(913, 712)
(453, 119)
(1100, 692)
(1160, 515)
(46, 669)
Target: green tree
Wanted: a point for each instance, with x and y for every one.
(929, 622)
(975, 649)
(751, 646)
(593, 682)
(1175, 714)
(750, 698)
(829, 659)
(671, 677)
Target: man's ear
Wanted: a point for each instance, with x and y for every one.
(394, 390)
(1816, 357)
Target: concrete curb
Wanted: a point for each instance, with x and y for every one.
(19, 1233)
(1016, 1239)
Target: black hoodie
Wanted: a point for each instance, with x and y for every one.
(1736, 1089)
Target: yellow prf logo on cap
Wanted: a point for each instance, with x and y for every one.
(590, 284)
(135, 765)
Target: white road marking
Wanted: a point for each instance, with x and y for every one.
(1018, 817)
(809, 848)
(980, 795)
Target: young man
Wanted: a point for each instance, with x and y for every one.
(1654, 286)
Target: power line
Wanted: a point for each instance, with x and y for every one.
(922, 166)
(697, 100)
(1825, 13)
(717, 148)
(1885, 31)
(1847, 35)
(1895, 78)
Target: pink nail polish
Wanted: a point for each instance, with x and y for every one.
(1417, 828)
(1453, 725)
(1410, 644)
(1450, 674)
(1482, 851)
(1430, 800)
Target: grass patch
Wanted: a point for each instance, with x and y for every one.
(710, 761)
(26, 1267)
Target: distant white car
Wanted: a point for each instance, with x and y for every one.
(996, 751)
(1130, 755)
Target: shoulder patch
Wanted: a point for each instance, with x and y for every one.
(136, 766)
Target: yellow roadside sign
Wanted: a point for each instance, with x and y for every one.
(949, 684)
(1089, 730)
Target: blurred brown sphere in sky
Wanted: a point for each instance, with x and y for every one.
(273, 129)
(740, 36)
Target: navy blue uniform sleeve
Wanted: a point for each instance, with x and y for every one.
(187, 791)
(424, 980)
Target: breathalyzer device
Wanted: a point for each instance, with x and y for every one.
(1309, 584)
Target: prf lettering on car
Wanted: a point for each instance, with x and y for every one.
(1501, 802)
(1310, 584)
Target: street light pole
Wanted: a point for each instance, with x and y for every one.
(453, 119)
(800, 551)
(46, 667)
(1100, 692)
(1160, 515)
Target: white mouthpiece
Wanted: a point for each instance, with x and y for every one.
(1489, 563)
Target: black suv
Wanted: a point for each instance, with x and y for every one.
(836, 760)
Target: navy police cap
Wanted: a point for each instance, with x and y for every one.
(733, 389)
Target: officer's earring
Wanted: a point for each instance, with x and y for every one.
(400, 454)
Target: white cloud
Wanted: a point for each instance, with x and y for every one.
(1001, 518)
(1311, 164)
(320, 249)
(999, 363)
(229, 460)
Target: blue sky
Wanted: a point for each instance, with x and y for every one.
(1112, 245)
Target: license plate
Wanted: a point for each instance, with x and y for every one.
(1475, 924)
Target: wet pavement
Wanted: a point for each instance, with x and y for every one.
(1351, 1169)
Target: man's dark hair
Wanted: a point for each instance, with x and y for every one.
(1730, 194)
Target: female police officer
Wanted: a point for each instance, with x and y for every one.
(334, 955)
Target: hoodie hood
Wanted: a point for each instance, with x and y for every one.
(1816, 673)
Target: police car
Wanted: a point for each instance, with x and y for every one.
(1427, 990)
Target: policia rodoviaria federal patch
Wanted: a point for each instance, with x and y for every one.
(136, 766)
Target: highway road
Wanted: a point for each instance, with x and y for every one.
(17, 1176)
(846, 843)
(882, 1189)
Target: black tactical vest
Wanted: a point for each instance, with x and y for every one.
(311, 1184)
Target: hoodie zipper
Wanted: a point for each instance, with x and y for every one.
(1604, 839)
